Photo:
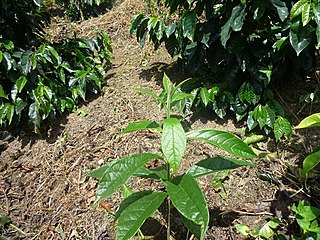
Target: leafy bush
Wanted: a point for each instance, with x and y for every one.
(313, 159)
(39, 84)
(38, 80)
(22, 21)
(182, 190)
(82, 9)
(239, 47)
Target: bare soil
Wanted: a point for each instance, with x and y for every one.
(44, 186)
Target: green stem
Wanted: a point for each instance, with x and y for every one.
(169, 204)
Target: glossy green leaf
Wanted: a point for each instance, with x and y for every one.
(21, 82)
(8, 60)
(316, 14)
(306, 14)
(267, 231)
(134, 210)
(223, 140)
(282, 127)
(188, 21)
(310, 162)
(120, 171)
(213, 165)
(173, 142)
(167, 84)
(33, 114)
(141, 125)
(205, 96)
(298, 43)
(297, 8)
(281, 9)
(1, 56)
(2, 93)
(237, 17)
(189, 200)
(235, 23)
(10, 113)
(310, 121)
(55, 54)
(26, 62)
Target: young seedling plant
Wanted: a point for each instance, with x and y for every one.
(181, 190)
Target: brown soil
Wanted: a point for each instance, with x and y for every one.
(44, 185)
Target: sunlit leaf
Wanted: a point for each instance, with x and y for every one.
(134, 210)
(173, 143)
(188, 21)
(120, 171)
(189, 200)
(141, 125)
(224, 140)
(310, 162)
(213, 165)
(310, 121)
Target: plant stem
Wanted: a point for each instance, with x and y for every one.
(169, 204)
(168, 224)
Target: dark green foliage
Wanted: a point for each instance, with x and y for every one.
(50, 79)
(239, 47)
(39, 80)
(22, 21)
(82, 9)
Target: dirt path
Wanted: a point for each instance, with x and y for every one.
(44, 187)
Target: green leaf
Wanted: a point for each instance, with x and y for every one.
(120, 171)
(21, 82)
(306, 211)
(281, 9)
(26, 62)
(316, 14)
(213, 165)
(237, 17)
(260, 114)
(160, 172)
(173, 142)
(310, 121)
(188, 22)
(134, 210)
(10, 112)
(34, 114)
(224, 140)
(54, 54)
(2, 93)
(8, 60)
(141, 125)
(99, 172)
(310, 162)
(267, 230)
(189, 200)
(145, 91)
(243, 229)
(297, 8)
(205, 96)
(306, 14)
(235, 23)
(254, 138)
(1, 56)
(167, 84)
(282, 127)
(126, 191)
(299, 44)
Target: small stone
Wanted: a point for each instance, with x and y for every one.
(100, 162)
